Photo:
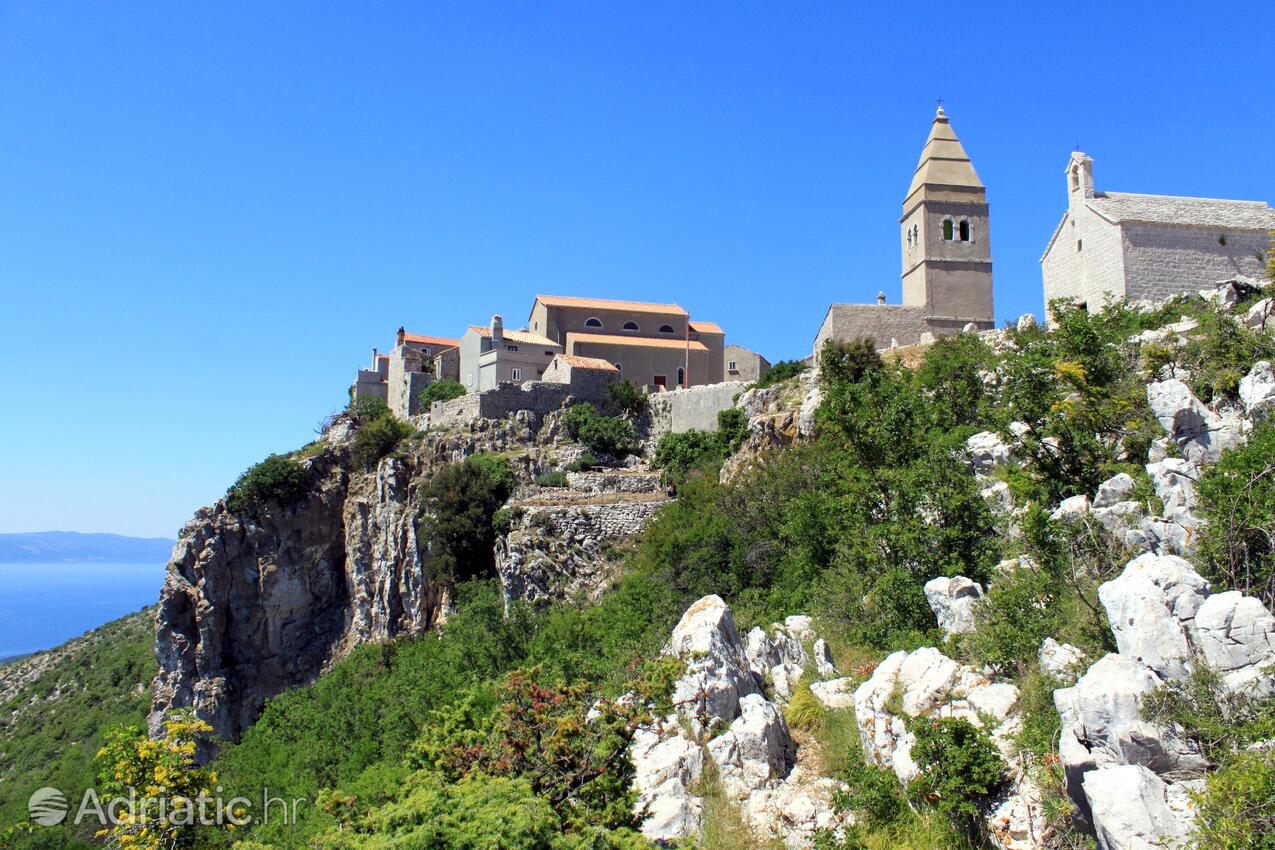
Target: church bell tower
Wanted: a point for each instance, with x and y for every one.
(946, 240)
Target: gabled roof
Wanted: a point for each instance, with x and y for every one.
(525, 337)
(1118, 207)
(943, 160)
(431, 340)
(1054, 237)
(605, 304)
(707, 328)
(635, 341)
(595, 363)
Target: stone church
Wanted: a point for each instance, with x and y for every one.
(1114, 245)
(945, 242)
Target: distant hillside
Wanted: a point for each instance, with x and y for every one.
(10, 659)
(47, 547)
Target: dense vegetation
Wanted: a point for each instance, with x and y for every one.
(446, 740)
(52, 728)
(444, 390)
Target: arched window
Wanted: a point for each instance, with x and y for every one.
(666, 329)
(681, 376)
(619, 368)
(592, 323)
(964, 230)
(1080, 245)
(947, 230)
(909, 239)
(631, 326)
(1075, 178)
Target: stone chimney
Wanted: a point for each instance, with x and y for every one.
(398, 340)
(880, 297)
(497, 329)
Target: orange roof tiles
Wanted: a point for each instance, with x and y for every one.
(431, 340)
(606, 304)
(707, 328)
(524, 337)
(587, 362)
(634, 341)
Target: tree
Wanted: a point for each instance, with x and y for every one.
(444, 390)
(459, 505)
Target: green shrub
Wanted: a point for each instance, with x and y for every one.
(678, 454)
(781, 371)
(872, 794)
(367, 409)
(444, 390)
(575, 417)
(504, 520)
(624, 398)
(1217, 720)
(583, 463)
(459, 505)
(848, 362)
(277, 479)
(732, 429)
(952, 376)
(959, 767)
(557, 478)
(608, 435)
(1237, 498)
(1233, 812)
(376, 438)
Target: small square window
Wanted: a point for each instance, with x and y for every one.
(511, 347)
(517, 374)
(732, 367)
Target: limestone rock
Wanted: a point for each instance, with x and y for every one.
(1130, 809)
(1236, 635)
(953, 601)
(756, 748)
(666, 768)
(824, 665)
(987, 450)
(716, 674)
(1060, 660)
(793, 810)
(1150, 607)
(1257, 390)
(1071, 508)
(1119, 518)
(809, 406)
(1174, 482)
(834, 693)
(1118, 488)
(1026, 322)
(1259, 316)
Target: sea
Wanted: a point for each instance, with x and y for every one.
(43, 605)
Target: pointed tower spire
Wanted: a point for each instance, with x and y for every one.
(943, 162)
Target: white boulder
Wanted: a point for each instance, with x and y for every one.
(1131, 811)
(1257, 390)
(1118, 488)
(756, 748)
(1059, 660)
(1150, 607)
(824, 665)
(1236, 636)
(953, 600)
(1072, 507)
(987, 450)
(1174, 482)
(834, 693)
(1260, 314)
(717, 672)
(666, 768)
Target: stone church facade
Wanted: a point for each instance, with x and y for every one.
(1111, 246)
(945, 242)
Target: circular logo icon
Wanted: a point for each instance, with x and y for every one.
(47, 807)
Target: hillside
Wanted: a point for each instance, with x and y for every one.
(1012, 590)
(51, 547)
(55, 707)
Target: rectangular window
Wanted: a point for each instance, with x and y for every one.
(517, 374)
(660, 381)
(511, 348)
(732, 367)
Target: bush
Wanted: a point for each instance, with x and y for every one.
(376, 438)
(960, 767)
(576, 417)
(277, 479)
(1237, 498)
(624, 397)
(678, 454)
(781, 371)
(504, 520)
(557, 478)
(460, 504)
(608, 435)
(367, 409)
(1233, 812)
(444, 390)
(732, 429)
(583, 463)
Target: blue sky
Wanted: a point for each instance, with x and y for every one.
(210, 213)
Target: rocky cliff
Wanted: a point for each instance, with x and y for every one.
(256, 602)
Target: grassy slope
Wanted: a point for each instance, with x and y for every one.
(55, 707)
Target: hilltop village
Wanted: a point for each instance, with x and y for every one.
(1108, 246)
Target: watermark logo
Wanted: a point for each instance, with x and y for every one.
(47, 807)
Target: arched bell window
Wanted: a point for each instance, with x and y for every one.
(964, 230)
(947, 230)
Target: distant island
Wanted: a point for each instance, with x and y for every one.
(52, 547)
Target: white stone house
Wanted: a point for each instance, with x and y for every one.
(1115, 245)
(492, 356)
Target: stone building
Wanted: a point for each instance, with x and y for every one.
(1114, 245)
(945, 242)
(492, 356)
(588, 377)
(414, 363)
(743, 365)
(653, 345)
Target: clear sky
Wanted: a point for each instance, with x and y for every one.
(210, 213)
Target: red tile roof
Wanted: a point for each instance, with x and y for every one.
(707, 328)
(607, 304)
(431, 340)
(524, 337)
(634, 341)
(587, 362)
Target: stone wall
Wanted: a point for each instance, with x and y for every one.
(560, 552)
(1162, 261)
(369, 384)
(883, 322)
(505, 400)
(677, 411)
